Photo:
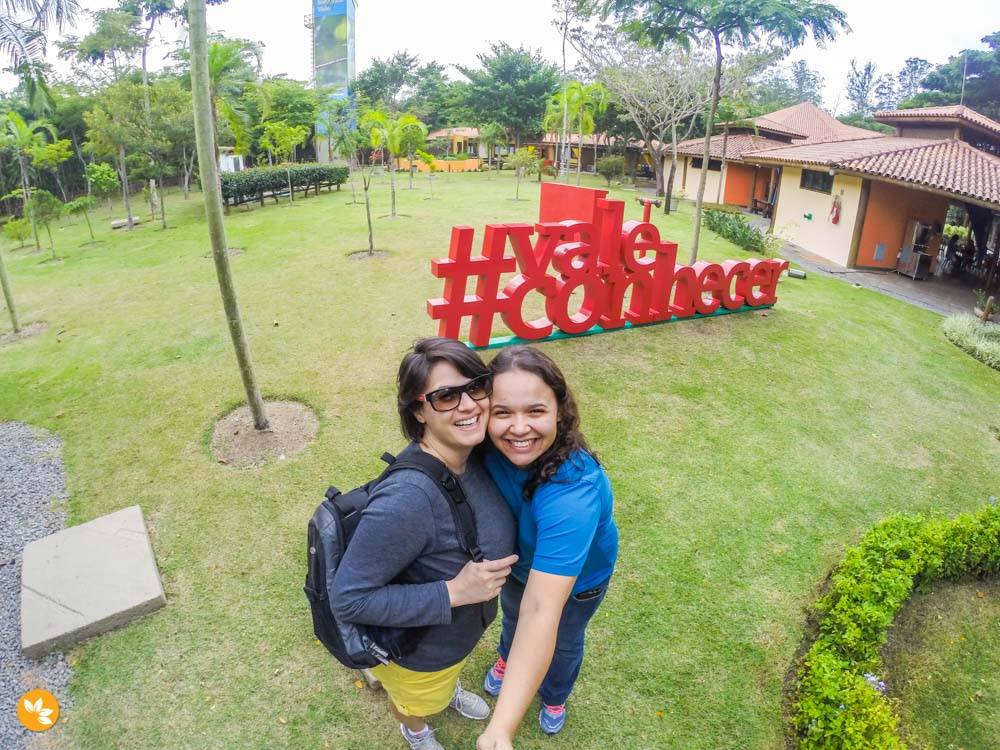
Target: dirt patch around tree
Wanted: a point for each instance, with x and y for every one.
(235, 441)
(365, 255)
(32, 329)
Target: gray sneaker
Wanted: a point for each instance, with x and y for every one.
(469, 705)
(427, 742)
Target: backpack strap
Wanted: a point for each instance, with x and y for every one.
(461, 510)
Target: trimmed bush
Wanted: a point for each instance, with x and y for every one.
(839, 701)
(979, 339)
(734, 227)
(611, 167)
(252, 184)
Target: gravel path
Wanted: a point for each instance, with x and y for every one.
(32, 492)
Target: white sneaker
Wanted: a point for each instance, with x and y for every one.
(469, 705)
(425, 742)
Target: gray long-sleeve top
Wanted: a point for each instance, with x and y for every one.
(405, 547)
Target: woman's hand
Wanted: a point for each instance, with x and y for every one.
(479, 582)
(493, 740)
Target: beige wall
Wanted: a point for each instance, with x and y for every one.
(818, 235)
(693, 175)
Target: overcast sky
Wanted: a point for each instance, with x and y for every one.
(450, 31)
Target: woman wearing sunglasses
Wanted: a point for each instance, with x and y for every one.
(405, 566)
(567, 541)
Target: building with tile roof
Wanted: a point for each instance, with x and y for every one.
(880, 201)
(733, 180)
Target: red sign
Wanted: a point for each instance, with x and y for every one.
(627, 274)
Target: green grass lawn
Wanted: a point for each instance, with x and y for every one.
(746, 452)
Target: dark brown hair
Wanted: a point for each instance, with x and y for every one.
(415, 370)
(569, 439)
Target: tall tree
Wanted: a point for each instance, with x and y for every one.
(726, 22)
(662, 91)
(971, 77)
(23, 25)
(861, 83)
(512, 88)
(212, 193)
(384, 83)
(491, 135)
(911, 75)
(25, 137)
(116, 126)
(395, 134)
(281, 139)
(807, 84)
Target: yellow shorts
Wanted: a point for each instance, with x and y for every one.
(418, 693)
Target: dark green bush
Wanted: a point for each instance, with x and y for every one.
(610, 167)
(839, 702)
(248, 184)
(734, 227)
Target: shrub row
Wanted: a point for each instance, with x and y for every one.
(251, 184)
(839, 701)
(735, 228)
(970, 334)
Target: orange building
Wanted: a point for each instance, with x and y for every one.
(881, 201)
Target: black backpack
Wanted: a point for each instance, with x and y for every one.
(330, 531)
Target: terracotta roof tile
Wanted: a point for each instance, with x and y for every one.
(831, 154)
(464, 132)
(737, 145)
(816, 125)
(953, 166)
(949, 113)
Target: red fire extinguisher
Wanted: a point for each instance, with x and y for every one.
(835, 210)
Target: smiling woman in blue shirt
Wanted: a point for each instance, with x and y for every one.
(567, 541)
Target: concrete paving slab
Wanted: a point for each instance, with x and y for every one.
(87, 580)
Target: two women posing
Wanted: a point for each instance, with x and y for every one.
(537, 490)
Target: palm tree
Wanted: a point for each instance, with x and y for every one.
(396, 134)
(726, 22)
(23, 24)
(24, 137)
(581, 103)
(212, 193)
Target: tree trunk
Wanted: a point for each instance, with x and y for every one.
(123, 172)
(368, 213)
(52, 243)
(669, 190)
(517, 189)
(8, 294)
(26, 191)
(162, 195)
(579, 153)
(392, 184)
(79, 154)
(86, 215)
(59, 184)
(351, 168)
(212, 193)
(722, 170)
(291, 195)
(716, 82)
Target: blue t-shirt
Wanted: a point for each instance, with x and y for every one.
(567, 528)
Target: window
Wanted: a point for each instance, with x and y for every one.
(714, 165)
(821, 182)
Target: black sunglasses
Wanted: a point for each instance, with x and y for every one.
(447, 399)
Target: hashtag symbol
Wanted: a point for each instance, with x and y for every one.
(456, 270)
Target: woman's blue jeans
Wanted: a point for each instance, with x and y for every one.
(568, 656)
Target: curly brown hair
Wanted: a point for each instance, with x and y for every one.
(569, 439)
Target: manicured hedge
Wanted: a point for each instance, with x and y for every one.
(252, 184)
(839, 701)
(969, 333)
(734, 227)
